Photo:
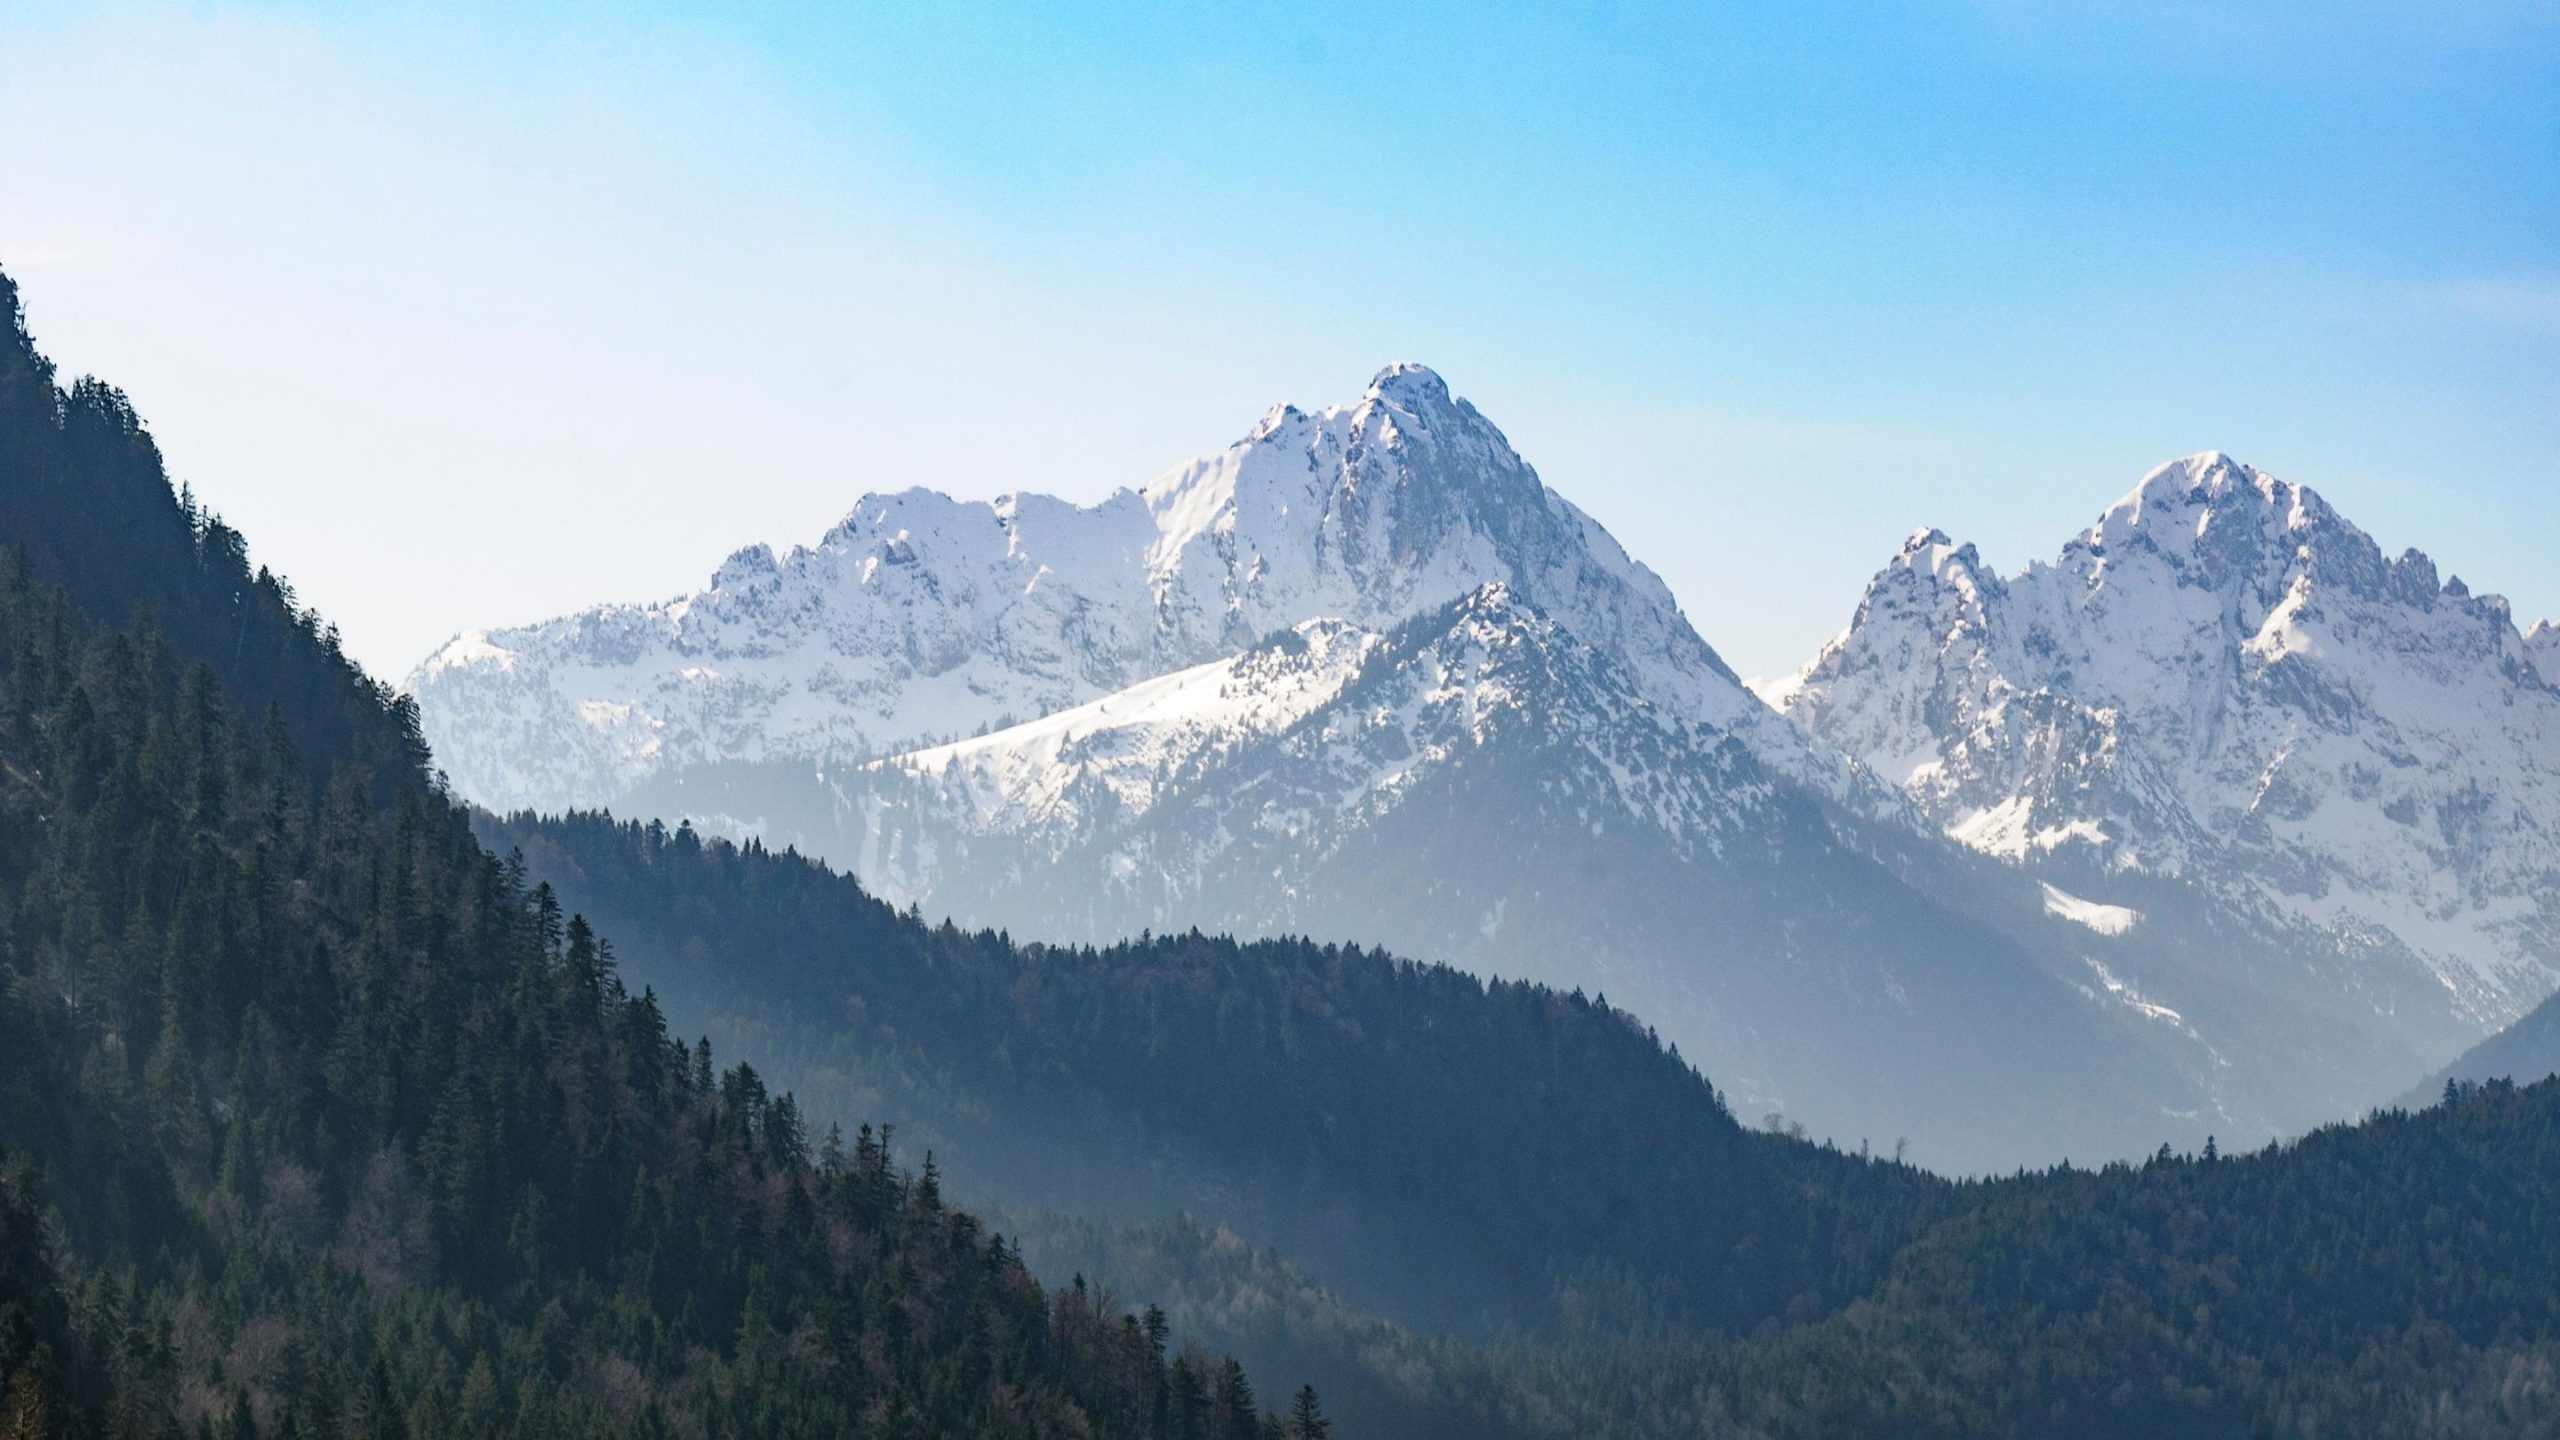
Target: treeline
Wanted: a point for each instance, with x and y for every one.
(318, 1119)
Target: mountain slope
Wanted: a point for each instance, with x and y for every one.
(2225, 684)
(2387, 1278)
(2525, 1052)
(1459, 1155)
(2271, 1294)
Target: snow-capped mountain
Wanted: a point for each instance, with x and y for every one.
(921, 618)
(1363, 675)
(2225, 684)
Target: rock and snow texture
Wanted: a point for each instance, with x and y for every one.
(2105, 919)
(2542, 647)
(2226, 682)
(921, 619)
(1296, 744)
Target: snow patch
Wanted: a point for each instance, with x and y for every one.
(2104, 919)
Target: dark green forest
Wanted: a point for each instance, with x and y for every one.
(1473, 1151)
(321, 1114)
(319, 1119)
(1643, 1263)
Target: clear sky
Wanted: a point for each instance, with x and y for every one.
(475, 314)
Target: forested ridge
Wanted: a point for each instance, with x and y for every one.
(318, 1115)
(1473, 1149)
(1673, 1273)
(318, 1119)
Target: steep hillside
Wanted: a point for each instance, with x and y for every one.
(2525, 1052)
(343, 1129)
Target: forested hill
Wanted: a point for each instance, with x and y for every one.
(87, 505)
(1464, 1155)
(2399, 1276)
(318, 1120)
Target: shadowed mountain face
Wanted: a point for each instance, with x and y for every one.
(1479, 785)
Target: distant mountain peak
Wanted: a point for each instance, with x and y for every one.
(747, 565)
(2179, 504)
(1408, 383)
(2223, 678)
(919, 617)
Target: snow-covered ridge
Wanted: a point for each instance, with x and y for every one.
(1330, 723)
(920, 619)
(1131, 744)
(2224, 679)
(2104, 919)
(2542, 647)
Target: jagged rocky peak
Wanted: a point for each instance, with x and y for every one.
(1410, 383)
(2224, 677)
(1383, 482)
(2226, 525)
(749, 565)
(1933, 597)
(1932, 561)
(2542, 647)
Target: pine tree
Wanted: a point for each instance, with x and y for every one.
(1306, 1418)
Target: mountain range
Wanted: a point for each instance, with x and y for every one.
(2173, 839)
(319, 1115)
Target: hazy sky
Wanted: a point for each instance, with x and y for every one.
(480, 316)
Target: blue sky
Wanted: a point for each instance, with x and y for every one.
(484, 313)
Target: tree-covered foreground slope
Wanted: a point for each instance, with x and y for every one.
(320, 1121)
